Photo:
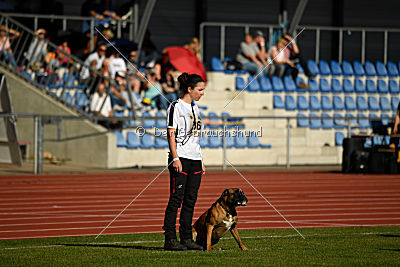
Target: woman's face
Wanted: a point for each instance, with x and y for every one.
(198, 91)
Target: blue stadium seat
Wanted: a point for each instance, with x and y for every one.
(370, 86)
(147, 141)
(277, 84)
(265, 84)
(120, 113)
(338, 121)
(327, 122)
(392, 69)
(161, 123)
(313, 86)
(252, 84)
(240, 83)
(381, 69)
(302, 121)
(148, 123)
(324, 85)
(372, 116)
(302, 103)
(335, 68)
(278, 102)
(324, 68)
(363, 121)
(358, 69)
(359, 86)
(160, 141)
(290, 104)
(383, 87)
(312, 66)
(348, 86)
(350, 117)
(240, 140)
(300, 68)
(132, 140)
(216, 122)
(370, 69)
(254, 142)
(336, 86)
(81, 100)
(216, 64)
(349, 103)
(229, 140)
(338, 103)
(290, 86)
(214, 141)
(339, 136)
(362, 104)
(373, 103)
(384, 103)
(67, 97)
(395, 102)
(131, 123)
(347, 68)
(326, 103)
(314, 103)
(315, 122)
(385, 119)
(394, 87)
(121, 142)
(203, 141)
(298, 89)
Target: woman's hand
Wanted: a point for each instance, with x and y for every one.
(177, 165)
(203, 167)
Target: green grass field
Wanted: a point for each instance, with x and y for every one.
(368, 246)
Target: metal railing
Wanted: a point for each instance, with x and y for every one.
(52, 70)
(271, 28)
(66, 21)
(41, 120)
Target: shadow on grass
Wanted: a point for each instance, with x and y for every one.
(113, 246)
(388, 235)
(390, 249)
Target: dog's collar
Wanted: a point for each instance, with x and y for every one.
(227, 211)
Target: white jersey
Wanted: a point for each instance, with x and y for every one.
(185, 118)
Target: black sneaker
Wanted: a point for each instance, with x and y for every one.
(191, 245)
(174, 245)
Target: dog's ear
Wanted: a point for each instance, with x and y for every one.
(225, 193)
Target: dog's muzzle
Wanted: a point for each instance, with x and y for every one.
(241, 199)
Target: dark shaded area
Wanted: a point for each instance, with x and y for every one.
(113, 246)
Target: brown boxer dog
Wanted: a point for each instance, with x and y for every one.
(219, 219)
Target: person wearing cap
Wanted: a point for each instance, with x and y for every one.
(250, 58)
(37, 49)
(259, 39)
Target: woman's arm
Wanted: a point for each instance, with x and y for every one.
(172, 148)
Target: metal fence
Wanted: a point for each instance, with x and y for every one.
(274, 30)
(40, 121)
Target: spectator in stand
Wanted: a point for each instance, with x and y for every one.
(295, 55)
(96, 103)
(259, 39)
(194, 46)
(37, 50)
(59, 59)
(6, 35)
(115, 64)
(94, 60)
(153, 92)
(91, 8)
(249, 56)
(119, 99)
(169, 85)
(134, 76)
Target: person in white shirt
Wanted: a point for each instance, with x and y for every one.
(185, 161)
(100, 104)
(116, 64)
(94, 60)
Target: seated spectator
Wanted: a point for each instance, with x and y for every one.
(194, 46)
(259, 39)
(96, 103)
(6, 35)
(170, 86)
(295, 55)
(63, 47)
(115, 64)
(99, 11)
(153, 92)
(59, 59)
(248, 56)
(94, 60)
(119, 96)
(133, 75)
(37, 50)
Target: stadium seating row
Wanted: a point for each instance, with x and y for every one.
(327, 103)
(338, 121)
(276, 84)
(376, 140)
(148, 141)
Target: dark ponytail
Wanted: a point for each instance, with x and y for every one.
(188, 80)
